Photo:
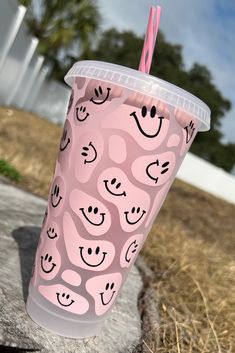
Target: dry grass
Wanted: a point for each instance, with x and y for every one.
(190, 249)
(30, 145)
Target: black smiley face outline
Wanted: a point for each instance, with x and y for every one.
(165, 167)
(63, 138)
(95, 212)
(132, 211)
(90, 252)
(100, 92)
(52, 231)
(85, 153)
(67, 297)
(49, 260)
(113, 181)
(133, 251)
(102, 293)
(153, 113)
(187, 128)
(82, 109)
(56, 193)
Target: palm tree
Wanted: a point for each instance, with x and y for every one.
(65, 29)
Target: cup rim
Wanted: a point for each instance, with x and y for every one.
(143, 83)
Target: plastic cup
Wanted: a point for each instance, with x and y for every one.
(124, 139)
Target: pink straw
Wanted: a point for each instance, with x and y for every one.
(150, 39)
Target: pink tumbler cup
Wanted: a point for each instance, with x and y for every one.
(124, 139)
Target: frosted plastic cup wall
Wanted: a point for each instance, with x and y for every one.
(124, 139)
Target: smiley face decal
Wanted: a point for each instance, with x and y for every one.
(135, 215)
(94, 215)
(67, 301)
(86, 256)
(187, 128)
(101, 95)
(52, 230)
(65, 140)
(108, 293)
(146, 125)
(164, 169)
(190, 128)
(94, 255)
(49, 261)
(81, 113)
(87, 150)
(65, 298)
(130, 250)
(154, 170)
(104, 290)
(51, 233)
(90, 148)
(113, 186)
(57, 195)
(46, 263)
(95, 211)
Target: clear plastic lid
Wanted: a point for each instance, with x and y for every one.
(142, 83)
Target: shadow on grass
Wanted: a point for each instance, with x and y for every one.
(27, 240)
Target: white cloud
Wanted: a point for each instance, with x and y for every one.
(204, 28)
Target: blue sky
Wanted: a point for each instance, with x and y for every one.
(205, 29)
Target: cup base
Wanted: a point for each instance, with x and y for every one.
(61, 326)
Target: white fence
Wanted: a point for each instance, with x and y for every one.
(23, 81)
(208, 177)
(23, 84)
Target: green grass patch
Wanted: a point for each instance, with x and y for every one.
(9, 171)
